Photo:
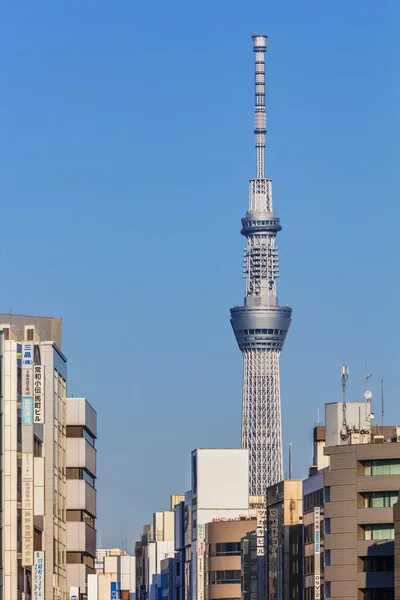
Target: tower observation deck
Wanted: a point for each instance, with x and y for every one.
(261, 325)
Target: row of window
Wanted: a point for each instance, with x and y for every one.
(227, 549)
(312, 500)
(262, 331)
(382, 467)
(75, 473)
(378, 531)
(216, 577)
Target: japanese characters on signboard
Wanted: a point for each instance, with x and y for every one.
(38, 576)
(27, 410)
(38, 395)
(317, 553)
(27, 538)
(27, 466)
(200, 562)
(260, 532)
(27, 495)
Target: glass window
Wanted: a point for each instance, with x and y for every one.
(216, 577)
(327, 493)
(327, 556)
(228, 549)
(327, 525)
(380, 499)
(379, 532)
(327, 589)
(382, 467)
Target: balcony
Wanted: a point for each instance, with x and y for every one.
(81, 538)
(81, 496)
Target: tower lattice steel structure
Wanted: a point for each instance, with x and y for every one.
(261, 325)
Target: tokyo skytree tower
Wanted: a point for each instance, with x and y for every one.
(261, 325)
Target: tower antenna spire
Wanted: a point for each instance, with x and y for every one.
(261, 325)
(260, 118)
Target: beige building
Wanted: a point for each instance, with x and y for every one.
(81, 422)
(361, 488)
(396, 519)
(284, 523)
(223, 557)
(33, 477)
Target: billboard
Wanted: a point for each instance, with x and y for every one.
(317, 553)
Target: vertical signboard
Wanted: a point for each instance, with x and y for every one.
(200, 562)
(113, 591)
(317, 553)
(261, 515)
(27, 457)
(38, 576)
(38, 390)
(27, 513)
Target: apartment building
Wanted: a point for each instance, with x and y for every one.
(223, 552)
(33, 477)
(81, 421)
(115, 579)
(361, 488)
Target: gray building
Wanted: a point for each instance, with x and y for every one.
(361, 487)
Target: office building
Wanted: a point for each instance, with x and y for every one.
(223, 557)
(261, 325)
(284, 530)
(396, 519)
(81, 494)
(181, 586)
(219, 491)
(33, 477)
(361, 487)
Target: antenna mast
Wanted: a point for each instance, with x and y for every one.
(345, 376)
(290, 460)
(383, 406)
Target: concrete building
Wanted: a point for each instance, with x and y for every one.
(117, 579)
(81, 494)
(396, 519)
(284, 530)
(219, 491)
(33, 477)
(223, 554)
(183, 549)
(361, 487)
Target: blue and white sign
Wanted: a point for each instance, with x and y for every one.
(113, 590)
(27, 410)
(27, 354)
(38, 576)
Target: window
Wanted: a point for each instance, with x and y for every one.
(327, 525)
(380, 499)
(382, 467)
(309, 533)
(327, 554)
(379, 532)
(309, 565)
(215, 577)
(377, 564)
(227, 549)
(312, 500)
(75, 473)
(327, 589)
(378, 594)
(327, 493)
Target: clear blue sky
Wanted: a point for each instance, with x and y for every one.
(126, 150)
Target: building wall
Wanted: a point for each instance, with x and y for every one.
(33, 459)
(81, 430)
(223, 558)
(284, 535)
(356, 566)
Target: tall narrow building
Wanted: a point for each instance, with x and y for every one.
(261, 325)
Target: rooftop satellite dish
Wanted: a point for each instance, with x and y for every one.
(368, 395)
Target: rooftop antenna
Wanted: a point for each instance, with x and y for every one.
(290, 460)
(345, 376)
(367, 394)
(383, 406)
